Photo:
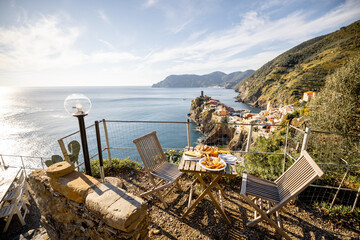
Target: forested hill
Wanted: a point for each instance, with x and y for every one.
(219, 79)
(303, 68)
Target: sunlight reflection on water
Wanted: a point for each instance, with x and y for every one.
(33, 119)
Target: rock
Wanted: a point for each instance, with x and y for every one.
(74, 186)
(156, 231)
(116, 207)
(66, 219)
(115, 181)
(60, 169)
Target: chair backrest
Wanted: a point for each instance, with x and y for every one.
(150, 151)
(297, 177)
(21, 179)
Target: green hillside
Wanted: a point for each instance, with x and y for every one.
(303, 68)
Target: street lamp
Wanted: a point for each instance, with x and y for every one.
(78, 105)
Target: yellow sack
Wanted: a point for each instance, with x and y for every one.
(224, 150)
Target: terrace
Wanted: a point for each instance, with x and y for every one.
(268, 159)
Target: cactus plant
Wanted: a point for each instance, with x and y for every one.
(74, 149)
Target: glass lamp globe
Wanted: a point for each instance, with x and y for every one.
(77, 104)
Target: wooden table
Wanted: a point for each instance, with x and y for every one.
(7, 177)
(194, 167)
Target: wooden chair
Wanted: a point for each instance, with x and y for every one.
(20, 182)
(156, 165)
(277, 194)
(17, 203)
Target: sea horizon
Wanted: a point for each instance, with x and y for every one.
(34, 118)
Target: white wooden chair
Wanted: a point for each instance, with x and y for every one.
(17, 203)
(156, 165)
(277, 194)
(20, 182)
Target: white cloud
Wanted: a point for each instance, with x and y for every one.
(254, 31)
(150, 3)
(180, 27)
(48, 50)
(103, 16)
(46, 44)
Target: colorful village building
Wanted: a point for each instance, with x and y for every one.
(308, 95)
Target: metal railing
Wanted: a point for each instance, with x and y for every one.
(28, 163)
(116, 137)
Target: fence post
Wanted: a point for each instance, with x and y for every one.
(22, 162)
(42, 163)
(188, 132)
(2, 159)
(107, 142)
(249, 138)
(342, 181)
(63, 150)
(285, 149)
(98, 139)
(356, 199)
(306, 139)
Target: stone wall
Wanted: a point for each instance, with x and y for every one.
(77, 206)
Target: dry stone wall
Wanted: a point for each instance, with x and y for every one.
(77, 206)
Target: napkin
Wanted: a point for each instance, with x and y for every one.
(228, 158)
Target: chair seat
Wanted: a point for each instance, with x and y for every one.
(156, 164)
(291, 183)
(6, 210)
(167, 171)
(262, 188)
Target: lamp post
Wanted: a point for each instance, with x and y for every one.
(78, 105)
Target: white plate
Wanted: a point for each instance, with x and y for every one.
(190, 158)
(211, 169)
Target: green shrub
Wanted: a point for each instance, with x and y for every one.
(117, 165)
(265, 165)
(173, 155)
(338, 210)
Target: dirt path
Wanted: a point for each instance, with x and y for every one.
(205, 222)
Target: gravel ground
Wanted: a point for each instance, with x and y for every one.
(300, 221)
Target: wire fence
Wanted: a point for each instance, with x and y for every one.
(263, 149)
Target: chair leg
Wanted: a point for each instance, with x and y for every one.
(158, 192)
(8, 223)
(264, 216)
(178, 185)
(162, 199)
(278, 219)
(18, 212)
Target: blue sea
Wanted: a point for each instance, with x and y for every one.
(33, 119)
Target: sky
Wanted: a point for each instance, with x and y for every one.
(141, 42)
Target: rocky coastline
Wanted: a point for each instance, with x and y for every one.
(211, 116)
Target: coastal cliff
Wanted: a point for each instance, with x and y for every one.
(209, 115)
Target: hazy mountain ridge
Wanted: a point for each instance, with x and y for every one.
(219, 79)
(284, 79)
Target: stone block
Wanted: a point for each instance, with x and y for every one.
(60, 169)
(116, 207)
(74, 186)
